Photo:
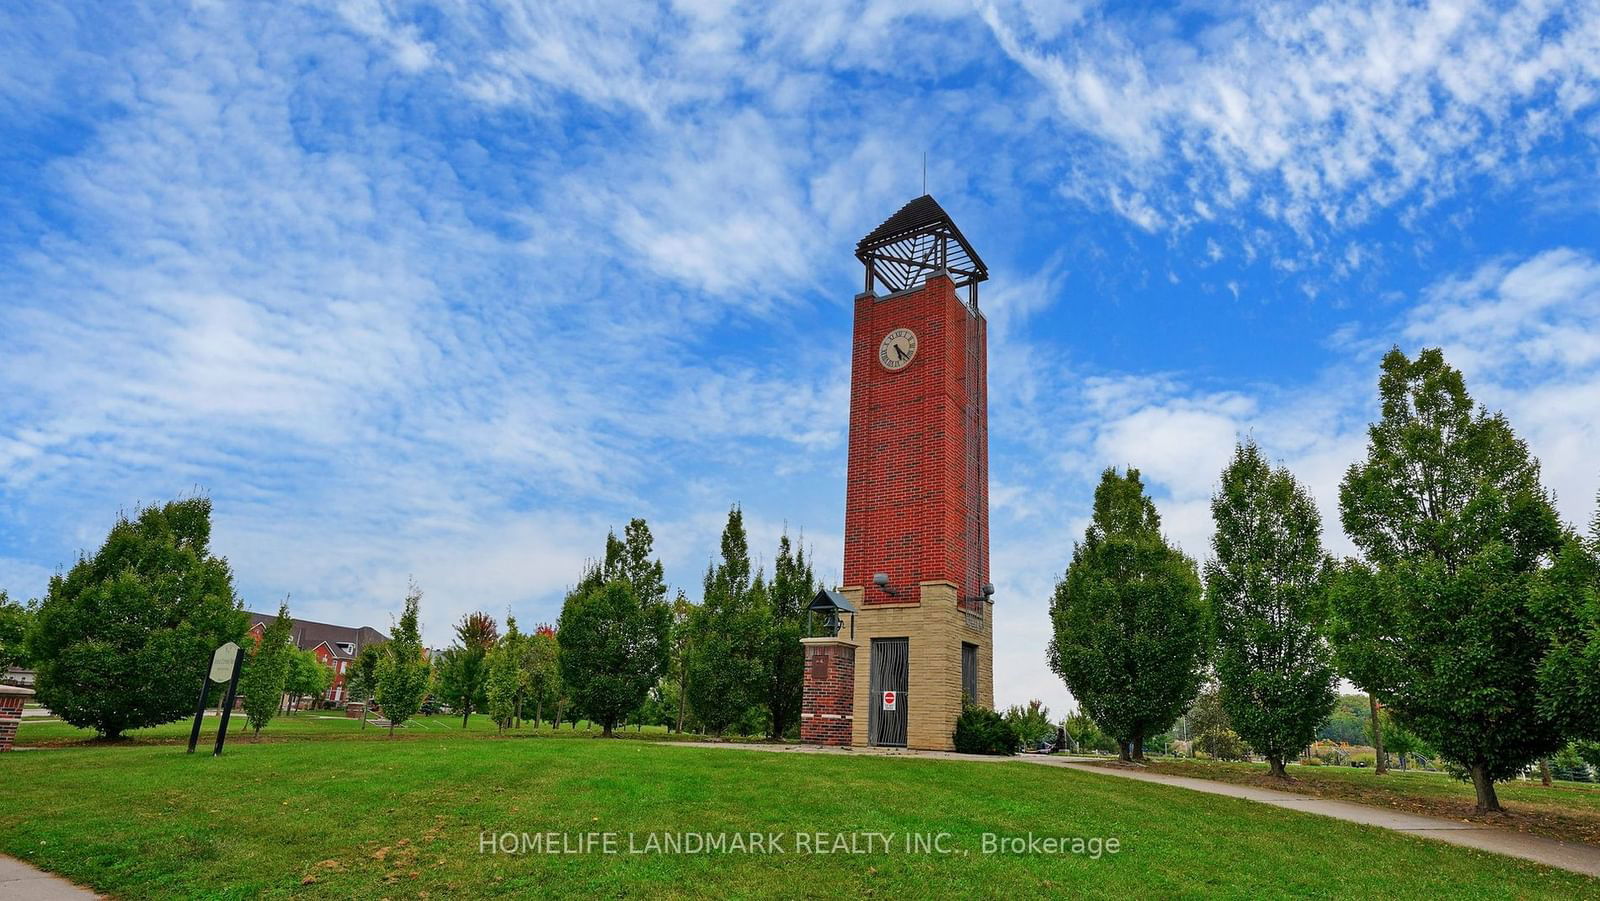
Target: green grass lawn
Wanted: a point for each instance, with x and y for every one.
(1566, 810)
(379, 818)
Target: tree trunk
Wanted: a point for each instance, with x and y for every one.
(606, 732)
(1275, 761)
(1544, 771)
(1138, 746)
(391, 728)
(363, 715)
(1125, 751)
(538, 712)
(1484, 786)
(1377, 736)
(465, 712)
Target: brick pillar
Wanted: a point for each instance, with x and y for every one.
(828, 699)
(11, 698)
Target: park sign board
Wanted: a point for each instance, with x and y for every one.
(225, 664)
(222, 662)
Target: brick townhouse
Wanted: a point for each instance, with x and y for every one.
(335, 646)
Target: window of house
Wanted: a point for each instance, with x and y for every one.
(969, 671)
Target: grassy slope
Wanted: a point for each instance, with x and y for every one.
(400, 818)
(1567, 810)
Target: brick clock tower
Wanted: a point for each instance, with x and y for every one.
(915, 613)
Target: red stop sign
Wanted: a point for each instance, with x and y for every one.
(888, 700)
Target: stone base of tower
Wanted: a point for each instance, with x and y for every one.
(827, 700)
(935, 628)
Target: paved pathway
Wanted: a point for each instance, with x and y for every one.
(1575, 856)
(22, 881)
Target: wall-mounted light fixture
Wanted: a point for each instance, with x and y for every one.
(882, 581)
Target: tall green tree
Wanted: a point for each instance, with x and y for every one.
(15, 620)
(307, 677)
(120, 639)
(729, 666)
(542, 666)
(503, 684)
(403, 673)
(1130, 634)
(793, 586)
(630, 560)
(613, 649)
(1569, 677)
(679, 638)
(361, 679)
(1267, 593)
(463, 670)
(1446, 618)
(266, 671)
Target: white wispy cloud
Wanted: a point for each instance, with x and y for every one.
(1319, 116)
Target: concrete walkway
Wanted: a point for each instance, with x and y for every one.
(23, 881)
(1575, 856)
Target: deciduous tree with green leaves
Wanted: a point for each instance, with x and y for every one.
(793, 586)
(503, 686)
(729, 665)
(1569, 677)
(266, 671)
(613, 644)
(1397, 739)
(121, 638)
(307, 677)
(630, 560)
(463, 671)
(1449, 616)
(1031, 722)
(1212, 729)
(15, 620)
(403, 672)
(361, 679)
(1128, 618)
(1267, 596)
(542, 668)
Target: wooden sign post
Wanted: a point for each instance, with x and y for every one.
(225, 663)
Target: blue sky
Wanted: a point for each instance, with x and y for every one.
(446, 290)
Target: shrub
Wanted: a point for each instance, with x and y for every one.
(982, 731)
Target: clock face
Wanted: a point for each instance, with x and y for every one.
(897, 349)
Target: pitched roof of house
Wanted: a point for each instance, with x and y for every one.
(307, 634)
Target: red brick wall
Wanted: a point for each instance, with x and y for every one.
(828, 698)
(917, 494)
(10, 717)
